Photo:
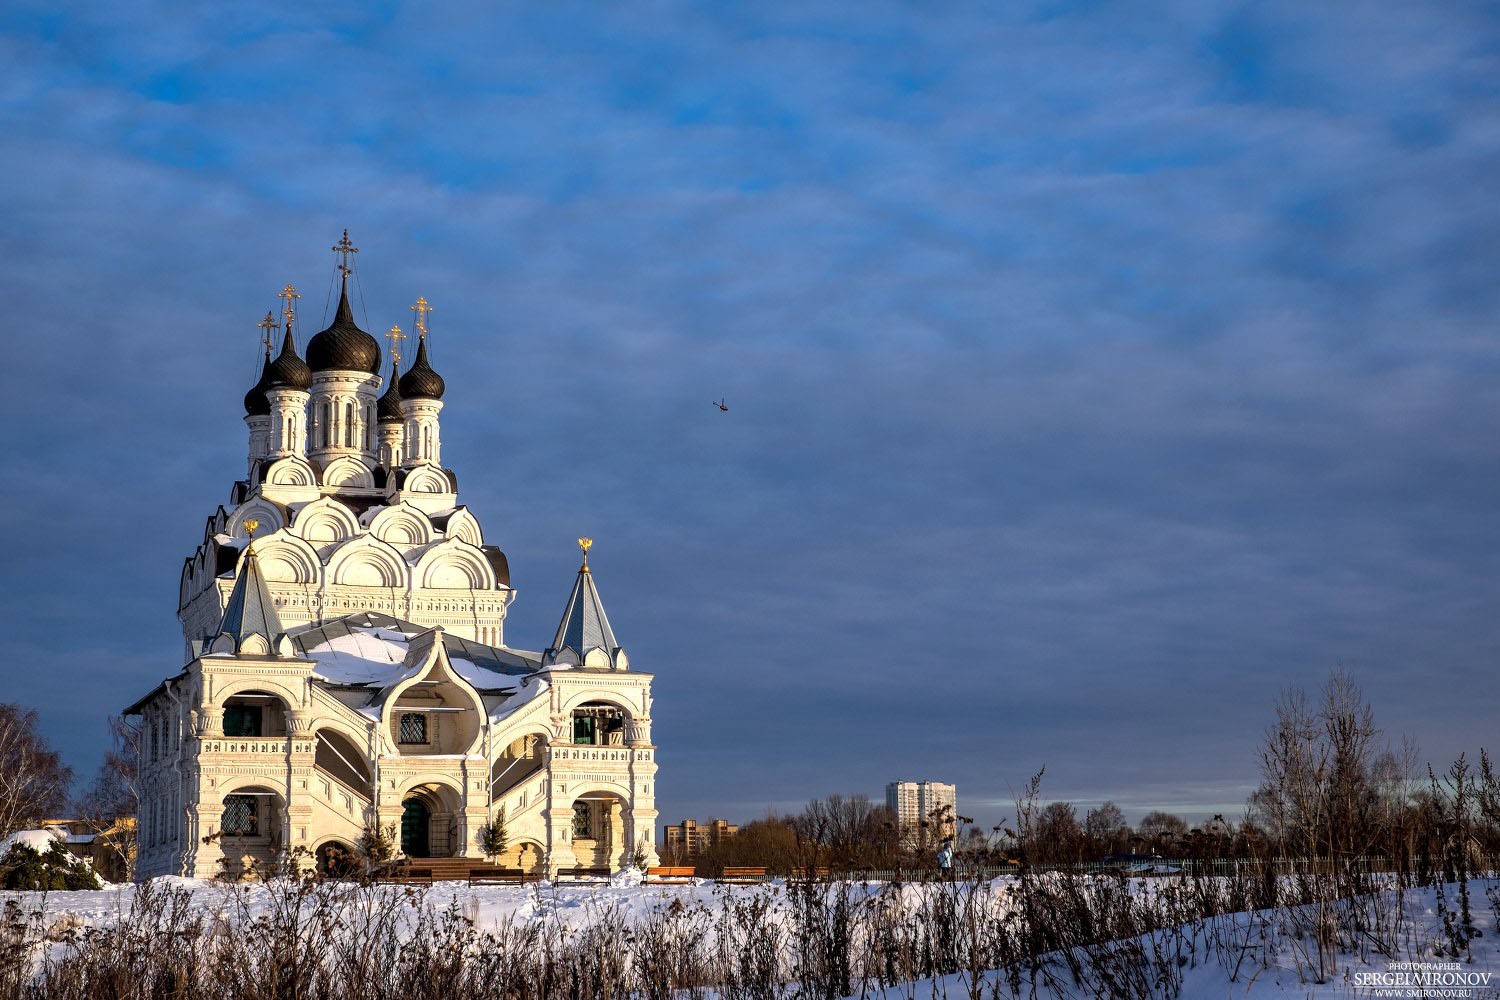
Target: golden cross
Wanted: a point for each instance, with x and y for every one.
(395, 337)
(346, 248)
(290, 294)
(421, 309)
(267, 325)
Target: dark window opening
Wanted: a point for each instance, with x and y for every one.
(241, 816)
(583, 821)
(413, 728)
(242, 720)
(583, 730)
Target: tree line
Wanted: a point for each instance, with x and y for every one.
(1332, 787)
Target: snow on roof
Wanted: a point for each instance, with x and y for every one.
(38, 840)
(481, 678)
(380, 655)
(362, 656)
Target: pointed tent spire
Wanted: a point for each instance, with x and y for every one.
(584, 636)
(250, 613)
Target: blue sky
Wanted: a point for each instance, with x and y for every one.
(1096, 370)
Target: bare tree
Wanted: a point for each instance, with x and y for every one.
(33, 780)
(113, 798)
(1162, 831)
(1058, 837)
(1106, 829)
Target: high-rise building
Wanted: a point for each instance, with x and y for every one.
(925, 810)
(690, 838)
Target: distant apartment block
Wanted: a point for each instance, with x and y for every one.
(914, 803)
(690, 838)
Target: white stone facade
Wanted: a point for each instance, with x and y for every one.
(347, 672)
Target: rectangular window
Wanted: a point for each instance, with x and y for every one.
(241, 817)
(583, 821)
(583, 730)
(413, 728)
(242, 720)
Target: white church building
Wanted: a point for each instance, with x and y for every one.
(347, 670)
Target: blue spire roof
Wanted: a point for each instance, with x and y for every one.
(249, 612)
(584, 628)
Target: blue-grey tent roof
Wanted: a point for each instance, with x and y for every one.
(250, 610)
(584, 625)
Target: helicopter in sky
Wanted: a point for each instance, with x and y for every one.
(723, 406)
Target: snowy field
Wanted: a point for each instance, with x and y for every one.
(1264, 954)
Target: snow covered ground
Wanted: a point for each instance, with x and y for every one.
(1239, 955)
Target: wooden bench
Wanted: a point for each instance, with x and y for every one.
(588, 873)
(806, 874)
(668, 875)
(743, 876)
(407, 875)
(502, 876)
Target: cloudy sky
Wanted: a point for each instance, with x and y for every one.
(1096, 370)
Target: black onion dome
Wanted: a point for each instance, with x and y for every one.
(289, 370)
(343, 346)
(388, 407)
(256, 403)
(420, 381)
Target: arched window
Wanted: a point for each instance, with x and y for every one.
(348, 425)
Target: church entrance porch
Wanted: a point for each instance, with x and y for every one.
(416, 823)
(431, 821)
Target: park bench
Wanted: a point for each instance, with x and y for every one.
(668, 875)
(743, 876)
(501, 876)
(583, 873)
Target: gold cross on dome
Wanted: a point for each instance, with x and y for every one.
(290, 294)
(421, 309)
(266, 326)
(346, 248)
(395, 337)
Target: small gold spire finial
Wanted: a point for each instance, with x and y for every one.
(288, 311)
(346, 248)
(250, 525)
(584, 544)
(421, 309)
(395, 337)
(266, 326)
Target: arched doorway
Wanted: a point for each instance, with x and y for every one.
(416, 828)
(336, 860)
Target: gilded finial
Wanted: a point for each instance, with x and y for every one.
(266, 326)
(584, 544)
(395, 337)
(289, 310)
(421, 309)
(250, 525)
(346, 248)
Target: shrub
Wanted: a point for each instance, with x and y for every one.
(24, 867)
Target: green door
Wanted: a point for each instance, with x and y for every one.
(415, 824)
